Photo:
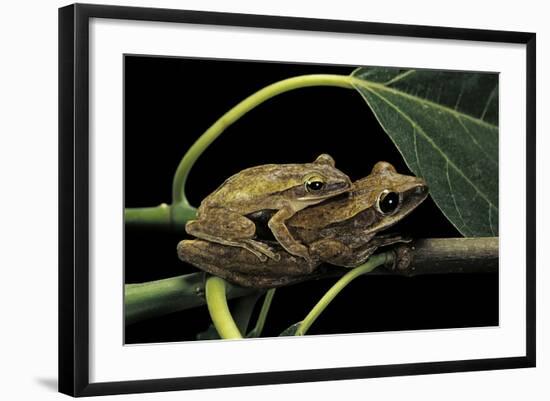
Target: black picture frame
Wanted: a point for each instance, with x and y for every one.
(74, 198)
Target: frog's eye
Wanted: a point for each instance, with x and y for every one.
(388, 202)
(314, 183)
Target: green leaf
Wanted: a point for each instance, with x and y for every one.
(291, 331)
(445, 124)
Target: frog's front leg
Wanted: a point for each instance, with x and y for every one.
(283, 236)
(229, 228)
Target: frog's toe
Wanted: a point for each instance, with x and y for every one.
(262, 257)
(272, 255)
(258, 254)
(300, 251)
(263, 249)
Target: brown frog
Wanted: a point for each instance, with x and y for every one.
(284, 189)
(343, 231)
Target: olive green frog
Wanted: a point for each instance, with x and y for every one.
(283, 189)
(343, 231)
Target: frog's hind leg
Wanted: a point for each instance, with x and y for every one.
(228, 228)
(250, 245)
(339, 254)
(331, 251)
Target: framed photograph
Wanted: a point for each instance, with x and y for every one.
(252, 199)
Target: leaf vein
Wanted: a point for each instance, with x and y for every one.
(459, 96)
(474, 140)
(369, 85)
(416, 152)
(399, 77)
(451, 191)
(488, 103)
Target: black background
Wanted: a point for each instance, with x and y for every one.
(170, 102)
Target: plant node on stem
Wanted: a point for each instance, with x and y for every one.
(180, 211)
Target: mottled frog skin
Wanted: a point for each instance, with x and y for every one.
(283, 189)
(343, 231)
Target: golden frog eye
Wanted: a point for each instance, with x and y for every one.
(388, 202)
(314, 183)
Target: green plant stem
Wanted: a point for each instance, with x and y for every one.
(219, 310)
(371, 264)
(428, 255)
(159, 215)
(180, 211)
(257, 330)
(277, 88)
(157, 298)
